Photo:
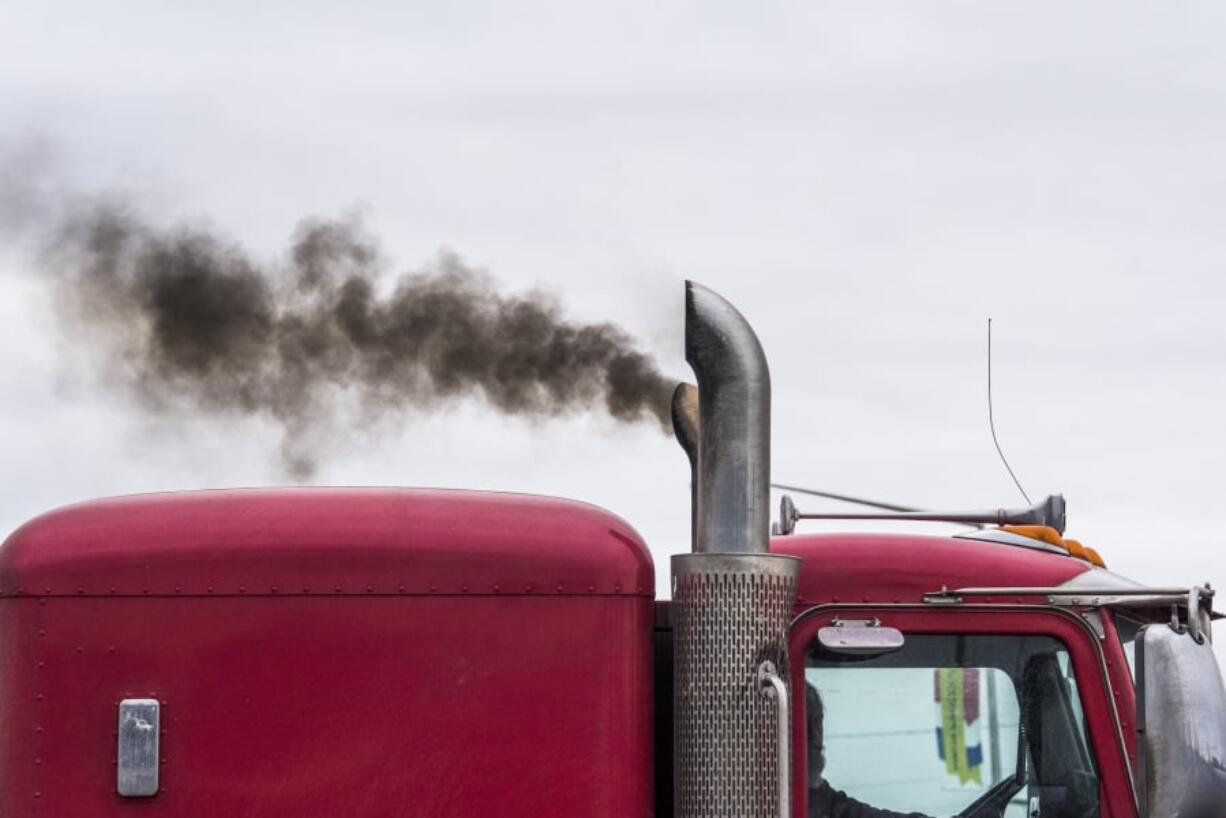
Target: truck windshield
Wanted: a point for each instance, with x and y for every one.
(949, 725)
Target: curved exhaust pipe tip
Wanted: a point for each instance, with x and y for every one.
(732, 513)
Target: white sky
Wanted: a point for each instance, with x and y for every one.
(867, 181)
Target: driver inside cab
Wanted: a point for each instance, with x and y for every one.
(824, 800)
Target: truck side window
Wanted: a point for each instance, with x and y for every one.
(978, 726)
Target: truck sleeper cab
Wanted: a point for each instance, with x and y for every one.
(358, 652)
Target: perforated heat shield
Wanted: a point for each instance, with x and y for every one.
(731, 613)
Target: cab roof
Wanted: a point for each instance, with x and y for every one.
(894, 568)
(326, 541)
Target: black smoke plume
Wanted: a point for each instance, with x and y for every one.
(188, 319)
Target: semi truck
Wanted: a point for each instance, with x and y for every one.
(372, 652)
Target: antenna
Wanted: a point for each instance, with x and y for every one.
(992, 422)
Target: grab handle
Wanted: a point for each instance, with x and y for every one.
(773, 688)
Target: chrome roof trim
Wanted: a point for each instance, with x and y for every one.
(1069, 595)
(999, 535)
(1101, 578)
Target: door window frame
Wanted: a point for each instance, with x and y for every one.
(1117, 791)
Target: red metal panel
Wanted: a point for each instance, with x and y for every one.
(326, 541)
(896, 568)
(1108, 745)
(337, 705)
(1121, 683)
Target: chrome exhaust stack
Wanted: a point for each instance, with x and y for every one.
(732, 598)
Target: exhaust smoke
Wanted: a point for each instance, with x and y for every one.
(187, 319)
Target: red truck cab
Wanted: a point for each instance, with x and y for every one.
(1001, 690)
(328, 651)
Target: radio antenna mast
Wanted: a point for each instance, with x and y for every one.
(992, 422)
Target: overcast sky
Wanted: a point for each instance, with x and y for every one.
(867, 181)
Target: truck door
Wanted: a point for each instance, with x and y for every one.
(979, 712)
